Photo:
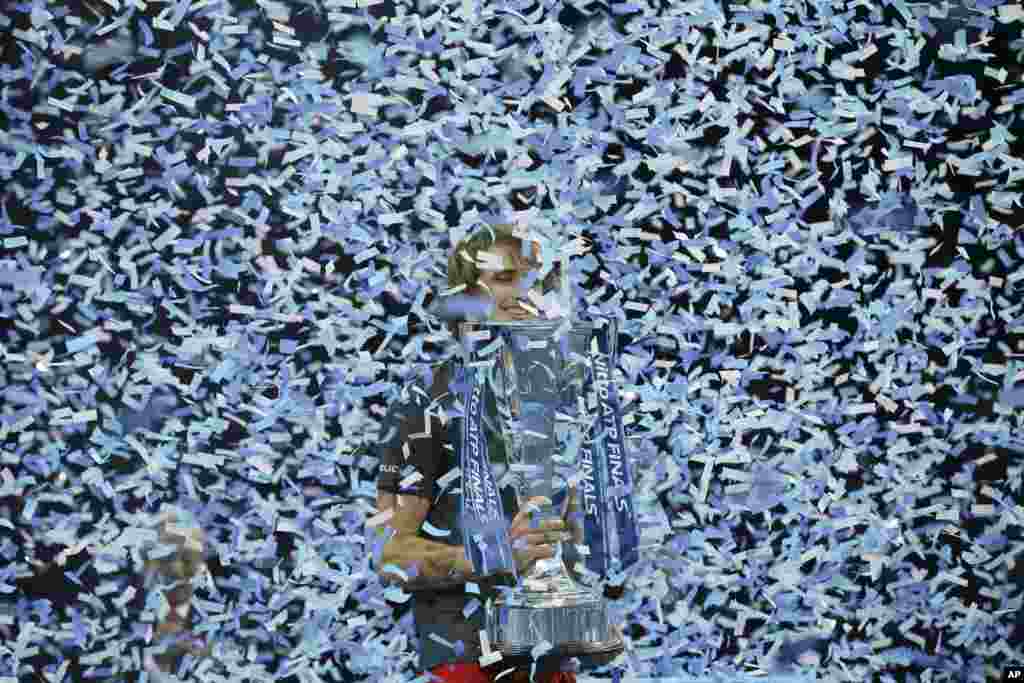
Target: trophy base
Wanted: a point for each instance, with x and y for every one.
(575, 623)
(589, 655)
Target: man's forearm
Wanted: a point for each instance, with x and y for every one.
(434, 562)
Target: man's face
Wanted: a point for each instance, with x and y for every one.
(504, 287)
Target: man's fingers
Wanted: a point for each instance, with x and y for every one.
(524, 529)
(539, 552)
(535, 502)
(570, 503)
(536, 538)
(531, 505)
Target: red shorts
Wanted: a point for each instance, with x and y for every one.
(471, 672)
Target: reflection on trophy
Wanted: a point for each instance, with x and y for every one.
(558, 419)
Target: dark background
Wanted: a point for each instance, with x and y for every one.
(33, 215)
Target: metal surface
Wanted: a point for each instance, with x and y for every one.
(543, 417)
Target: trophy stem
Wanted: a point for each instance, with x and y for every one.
(549, 575)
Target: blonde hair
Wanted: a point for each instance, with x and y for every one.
(463, 264)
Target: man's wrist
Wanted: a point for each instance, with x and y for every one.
(461, 567)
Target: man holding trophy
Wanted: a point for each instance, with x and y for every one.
(480, 505)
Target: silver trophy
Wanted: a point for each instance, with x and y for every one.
(543, 418)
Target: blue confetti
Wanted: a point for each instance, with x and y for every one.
(217, 258)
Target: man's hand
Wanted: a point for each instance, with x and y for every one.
(532, 544)
(569, 513)
(574, 525)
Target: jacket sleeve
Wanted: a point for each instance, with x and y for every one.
(409, 453)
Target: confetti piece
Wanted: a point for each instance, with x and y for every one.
(381, 518)
(157, 261)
